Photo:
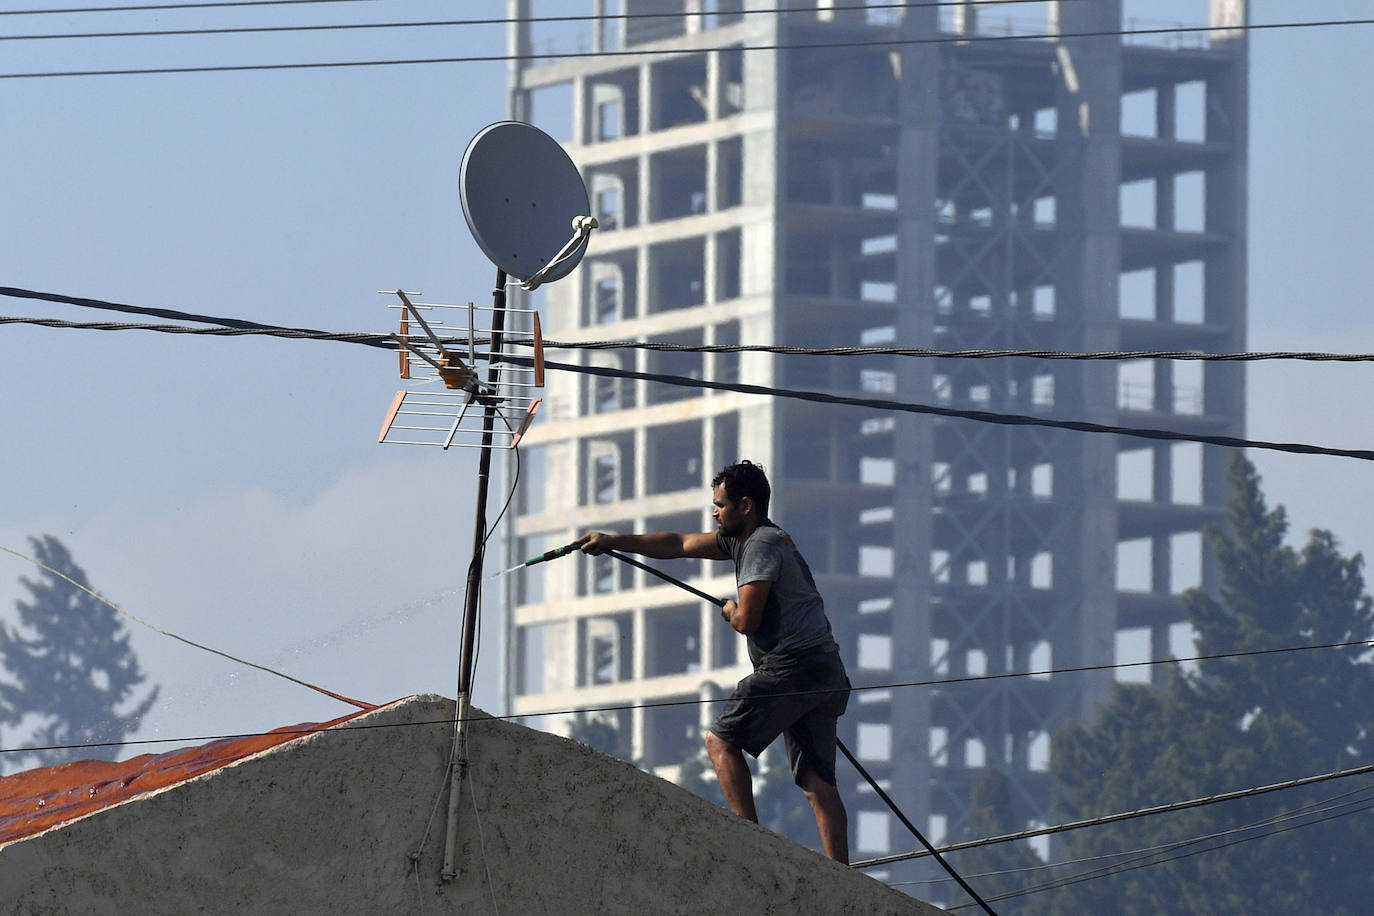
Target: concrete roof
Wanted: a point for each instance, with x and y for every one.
(327, 823)
(37, 800)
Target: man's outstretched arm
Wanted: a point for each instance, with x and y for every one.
(661, 545)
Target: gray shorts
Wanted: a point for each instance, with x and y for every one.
(798, 697)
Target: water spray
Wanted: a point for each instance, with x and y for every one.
(542, 558)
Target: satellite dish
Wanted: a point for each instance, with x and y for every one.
(525, 202)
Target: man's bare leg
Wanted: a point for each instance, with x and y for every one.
(733, 774)
(831, 819)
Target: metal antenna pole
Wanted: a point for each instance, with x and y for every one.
(474, 590)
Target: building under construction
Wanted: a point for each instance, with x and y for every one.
(916, 179)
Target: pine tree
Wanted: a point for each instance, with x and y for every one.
(600, 734)
(1236, 723)
(68, 665)
(998, 869)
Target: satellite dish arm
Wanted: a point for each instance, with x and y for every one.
(582, 230)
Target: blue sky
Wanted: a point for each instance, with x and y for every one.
(232, 490)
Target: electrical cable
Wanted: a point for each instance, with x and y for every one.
(385, 340)
(241, 324)
(1322, 806)
(606, 17)
(170, 6)
(984, 416)
(369, 339)
(930, 849)
(123, 613)
(531, 20)
(659, 52)
(1044, 831)
(1094, 876)
(926, 352)
(658, 704)
(1129, 815)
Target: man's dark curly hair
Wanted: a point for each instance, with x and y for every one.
(745, 479)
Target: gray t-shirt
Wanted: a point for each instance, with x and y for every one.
(794, 615)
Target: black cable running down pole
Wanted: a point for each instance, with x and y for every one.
(912, 827)
(720, 602)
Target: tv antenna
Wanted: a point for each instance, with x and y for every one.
(437, 410)
(526, 205)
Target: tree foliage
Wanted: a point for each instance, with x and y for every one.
(997, 869)
(1231, 724)
(68, 665)
(602, 735)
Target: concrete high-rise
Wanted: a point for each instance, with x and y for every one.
(912, 184)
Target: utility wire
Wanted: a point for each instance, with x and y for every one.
(366, 339)
(1361, 644)
(1005, 419)
(1129, 815)
(926, 352)
(983, 416)
(172, 314)
(1323, 806)
(955, 847)
(170, 6)
(608, 17)
(1112, 871)
(656, 52)
(906, 822)
(388, 340)
(123, 613)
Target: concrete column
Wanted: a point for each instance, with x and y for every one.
(517, 45)
(648, 97)
(638, 726)
(582, 133)
(1088, 210)
(714, 86)
(916, 160)
(1224, 291)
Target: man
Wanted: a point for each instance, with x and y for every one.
(798, 688)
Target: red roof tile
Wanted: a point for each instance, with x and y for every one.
(33, 801)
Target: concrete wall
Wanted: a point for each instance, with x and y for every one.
(326, 824)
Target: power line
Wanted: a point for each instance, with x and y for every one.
(983, 416)
(654, 52)
(955, 847)
(906, 822)
(170, 6)
(242, 324)
(1148, 852)
(699, 701)
(927, 352)
(608, 17)
(1129, 815)
(366, 339)
(138, 620)
(387, 340)
(1112, 871)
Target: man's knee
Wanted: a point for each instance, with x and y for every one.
(716, 745)
(815, 787)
